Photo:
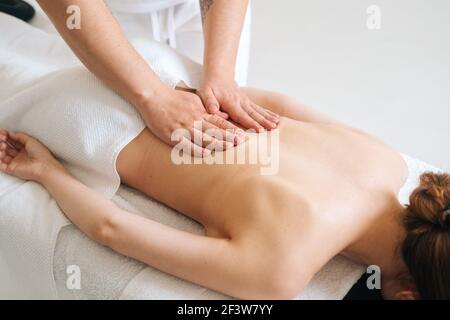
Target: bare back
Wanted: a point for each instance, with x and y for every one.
(331, 180)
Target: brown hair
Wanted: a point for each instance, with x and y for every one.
(426, 248)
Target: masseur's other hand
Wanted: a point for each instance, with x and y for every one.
(24, 156)
(226, 96)
(180, 110)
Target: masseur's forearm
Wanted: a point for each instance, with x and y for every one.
(103, 48)
(223, 21)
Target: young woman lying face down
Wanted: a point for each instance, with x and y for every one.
(335, 192)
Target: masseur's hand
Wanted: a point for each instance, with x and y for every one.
(173, 110)
(223, 95)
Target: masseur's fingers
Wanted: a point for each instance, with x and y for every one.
(221, 129)
(189, 142)
(209, 100)
(223, 115)
(192, 148)
(258, 117)
(233, 133)
(210, 142)
(241, 116)
(210, 137)
(270, 112)
(269, 115)
(273, 114)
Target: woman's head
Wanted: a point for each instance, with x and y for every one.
(426, 248)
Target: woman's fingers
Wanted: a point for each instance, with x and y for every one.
(8, 149)
(12, 140)
(19, 137)
(5, 142)
(3, 166)
(5, 158)
(6, 138)
(3, 134)
(4, 161)
(7, 152)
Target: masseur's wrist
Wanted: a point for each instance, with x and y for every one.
(143, 98)
(218, 75)
(150, 103)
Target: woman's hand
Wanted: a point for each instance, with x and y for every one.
(218, 94)
(174, 110)
(24, 156)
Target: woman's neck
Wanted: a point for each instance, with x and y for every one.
(380, 244)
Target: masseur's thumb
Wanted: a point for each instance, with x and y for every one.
(209, 101)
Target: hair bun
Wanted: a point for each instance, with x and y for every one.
(426, 247)
(429, 202)
(445, 220)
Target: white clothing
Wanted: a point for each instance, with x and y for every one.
(178, 24)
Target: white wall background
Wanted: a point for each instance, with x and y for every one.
(393, 82)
